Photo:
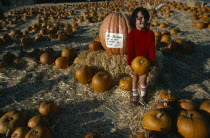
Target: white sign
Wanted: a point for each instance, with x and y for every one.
(114, 40)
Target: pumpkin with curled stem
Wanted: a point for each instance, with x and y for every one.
(38, 120)
(93, 135)
(191, 124)
(157, 121)
(39, 132)
(126, 83)
(12, 120)
(141, 65)
(101, 81)
(84, 74)
(48, 108)
(117, 23)
(20, 132)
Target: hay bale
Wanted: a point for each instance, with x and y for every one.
(116, 65)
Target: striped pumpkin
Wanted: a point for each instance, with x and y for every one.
(117, 23)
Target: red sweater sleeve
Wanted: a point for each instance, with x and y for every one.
(130, 49)
(152, 48)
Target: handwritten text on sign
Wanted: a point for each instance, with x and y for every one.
(114, 40)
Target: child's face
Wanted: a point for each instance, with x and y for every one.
(141, 22)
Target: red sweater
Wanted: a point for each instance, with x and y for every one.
(141, 43)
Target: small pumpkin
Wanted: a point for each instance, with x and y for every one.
(167, 96)
(101, 81)
(84, 74)
(186, 104)
(38, 120)
(46, 58)
(158, 121)
(94, 46)
(26, 41)
(12, 120)
(126, 83)
(97, 39)
(39, 132)
(62, 62)
(48, 108)
(165, 38)
(163, 25)
(68, 52)
(191, 124)
(93, 135)
(62, 37)
(20, 132)
(141, 65)
(205, 106)
(200, 25)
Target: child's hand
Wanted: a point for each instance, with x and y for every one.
(131, 71)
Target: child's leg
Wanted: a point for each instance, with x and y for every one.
(143, 88)
(135, 94)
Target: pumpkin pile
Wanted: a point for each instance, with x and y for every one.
(17, 124)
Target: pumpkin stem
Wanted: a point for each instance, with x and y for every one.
(142, 61)
(169, 94)
(165, 103)
(160, 115)
(190, 116)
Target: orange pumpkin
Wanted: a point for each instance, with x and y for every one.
(157, 121)
(62, 62)
(39, 132)
(20, 132)
(37, 120)
(48, 108)
(26, 41)
(191, 124)
(46, 58)
(84, 74)
(12, 120)
(68, 52)
(116, 23)
(93, 135)
(141, 65)
(101, 81)
(167, 96)
(94, 46)
(165, 38)
(187, 104)
(126, 83)
(205, 106)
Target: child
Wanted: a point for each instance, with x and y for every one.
(141, 42)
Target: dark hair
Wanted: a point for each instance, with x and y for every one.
(144, 12)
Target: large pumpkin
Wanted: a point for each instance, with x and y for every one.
(113, 31)
(157, 121)
(37, 120)
(205, 106)
(12, 120)
(191, 124)
(101, 81)
(141, 65)
(84, 74)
